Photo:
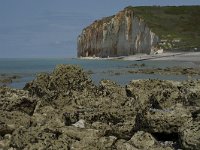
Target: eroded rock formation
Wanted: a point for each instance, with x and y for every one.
(118, 35)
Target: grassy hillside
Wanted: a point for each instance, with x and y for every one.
(173, 24)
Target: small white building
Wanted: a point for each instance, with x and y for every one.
(159, 51)
(176, 40)
(156, 50)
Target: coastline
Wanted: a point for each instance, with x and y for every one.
(121, 69)
(177, 56)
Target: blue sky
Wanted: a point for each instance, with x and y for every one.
(49, 28)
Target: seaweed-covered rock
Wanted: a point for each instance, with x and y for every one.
(163, 120)
(5, 142)
(87, 139)
(63, 80)
(169, 71)
(69, 77)
(158, 94)
(9, 121)
(123, 144)
(17, 100)
(57, 137)
(47, 115)
(6, 79)
(102, 143)
(144, 140)
(107, 87)
(40, 138)
(190, 135)
(141, 141)
(154, 93)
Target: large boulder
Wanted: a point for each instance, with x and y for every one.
(141, 141)
(159, 94)
(62, 87)
(55, 137)
(9, 121)
(47, 115)
(62, 80)
(154, 93)
(144, 140)
(110, 88)
(5, 142)
(17, 100)
(163, 120)
(190, 136)
(40, 138)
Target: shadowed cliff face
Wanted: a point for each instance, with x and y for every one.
(118, 35)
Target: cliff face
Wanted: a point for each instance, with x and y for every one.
(118, 35)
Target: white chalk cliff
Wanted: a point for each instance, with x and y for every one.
(119, 35)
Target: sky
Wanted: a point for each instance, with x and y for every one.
(49, 28)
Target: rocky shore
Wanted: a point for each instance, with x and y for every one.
(65, 110)
(169, 71)
(6, 79)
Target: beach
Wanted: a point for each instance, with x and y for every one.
(175, 56)
(180, 56)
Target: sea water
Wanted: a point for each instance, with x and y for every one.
(116, 70)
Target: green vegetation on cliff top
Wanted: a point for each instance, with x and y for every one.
(173, 23)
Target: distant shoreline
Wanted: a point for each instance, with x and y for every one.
(177, 56)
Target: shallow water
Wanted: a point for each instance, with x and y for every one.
(116, 70)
